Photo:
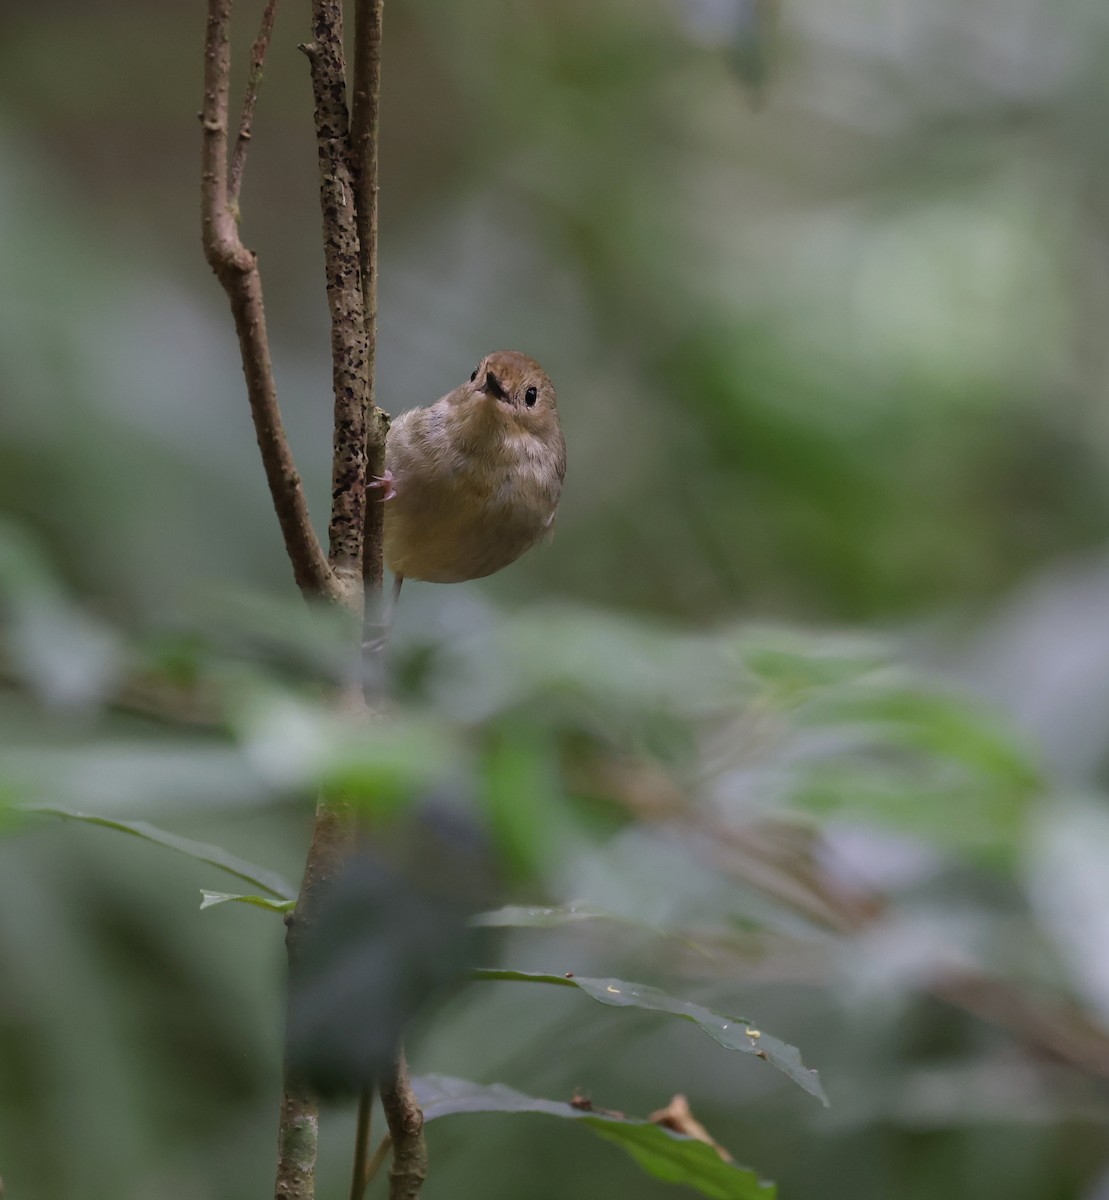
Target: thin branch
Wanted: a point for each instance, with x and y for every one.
(332, 834)
(344, 293)
(402, 1111)
(361, 1176)
(379, 1156)
(250, 99)
(406, 1128)
(298, 1135)
(237, 270)
(364, 144)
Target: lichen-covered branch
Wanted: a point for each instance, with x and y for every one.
(349, 369)
(364, 143)
(237, 270)
(298, 1135)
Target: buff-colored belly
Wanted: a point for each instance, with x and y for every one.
(447, 535)
(453, 546)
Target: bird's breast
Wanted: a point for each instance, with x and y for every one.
(462, 511)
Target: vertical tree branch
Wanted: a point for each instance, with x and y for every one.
(348, 191)
(253, 84)
(402, 1111)
(344, 294)
(237, 270)
(332, 833)
(364, 143)
(298, 1134)
(406, 1128)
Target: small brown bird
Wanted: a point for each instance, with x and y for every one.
(474, 480)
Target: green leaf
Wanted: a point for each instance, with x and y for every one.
(214, 856)
(526, 815)
(947, 726)
(382, 767)
(211, 899)
(521, 916)
(734, 1033)
(660, 1152)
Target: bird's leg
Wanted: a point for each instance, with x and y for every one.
(390, 612)
(385, 481)
(377, 645)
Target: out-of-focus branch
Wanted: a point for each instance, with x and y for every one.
(406, 1127)
(363, 1160)
(782, 862)
(237, 270)
(298, 1134)
(349, 372)
(332, 833)
(250, 99)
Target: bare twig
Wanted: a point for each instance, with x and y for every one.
(406, 1128)
(361, 1176)
(253, 83)
(379, 1156)
(237, 270)
(364, 143)
(344, 293)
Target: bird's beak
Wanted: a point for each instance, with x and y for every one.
(492, 387)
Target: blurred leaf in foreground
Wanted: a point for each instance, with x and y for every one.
(390, 936)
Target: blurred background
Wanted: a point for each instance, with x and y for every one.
(815, 673)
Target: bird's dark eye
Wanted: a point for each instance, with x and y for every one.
(474, 375)
(530, 396)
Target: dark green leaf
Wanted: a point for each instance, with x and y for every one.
(520, 916)
(661, 1153)
(735, 1033)
(214, 856)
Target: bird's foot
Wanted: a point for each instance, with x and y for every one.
(376, 645)
(385, 481)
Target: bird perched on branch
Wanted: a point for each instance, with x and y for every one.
(474, 480)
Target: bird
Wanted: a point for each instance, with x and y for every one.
(474, 480)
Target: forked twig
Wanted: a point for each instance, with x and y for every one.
(250, 99)
(237, 270)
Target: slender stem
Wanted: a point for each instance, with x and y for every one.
(361, 1176)
(379, 1156)
(364, 143)
(344, 295)
(237, 270)
(332, 834)
(250, 99)
(402, 1111)
(406, 1128)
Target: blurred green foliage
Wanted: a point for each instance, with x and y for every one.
(809, 692)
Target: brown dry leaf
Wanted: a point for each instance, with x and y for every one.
(678, 1117)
